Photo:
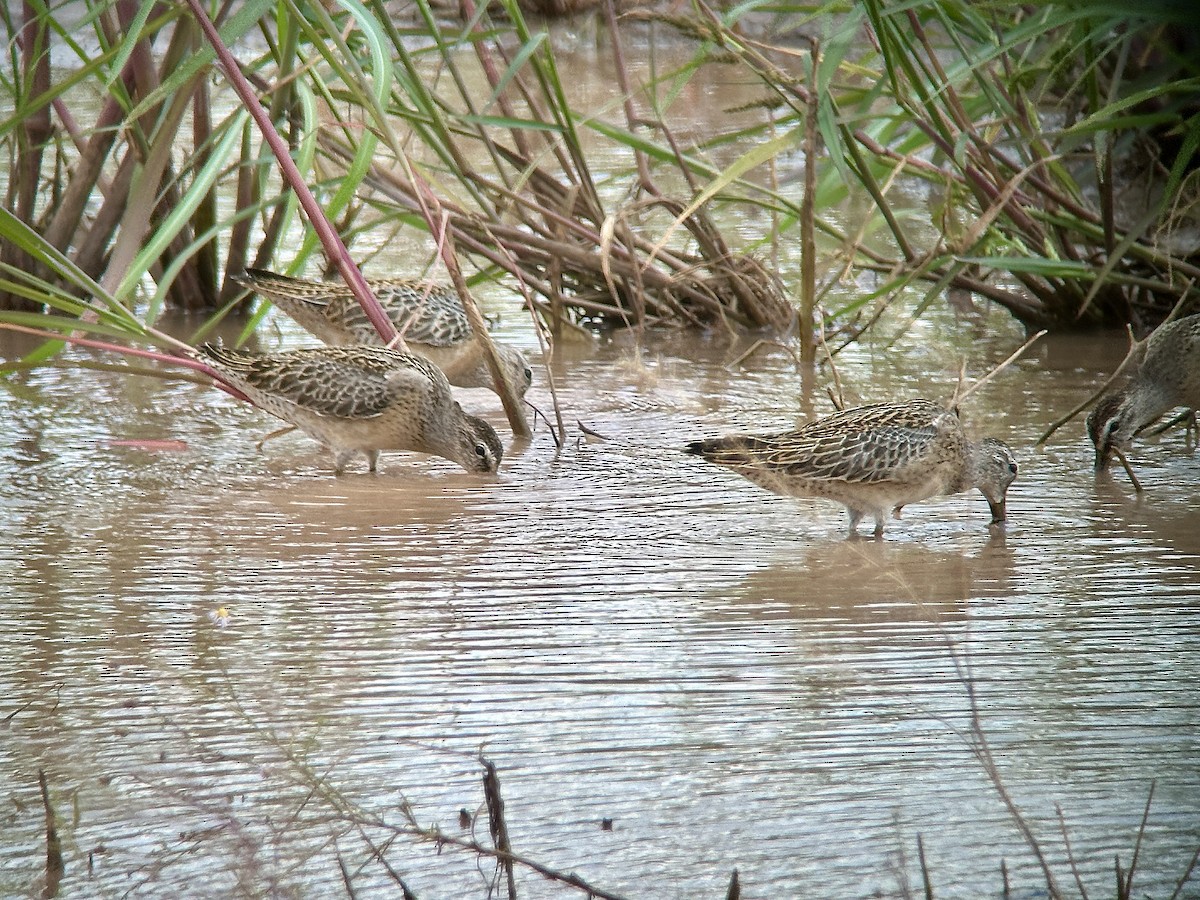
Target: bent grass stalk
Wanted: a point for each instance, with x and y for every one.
(188, 362)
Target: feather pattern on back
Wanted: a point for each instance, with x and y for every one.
(424, 312)
(350, 383)
(870, 444)
(361, 399)
(428, 316)
(872, 459)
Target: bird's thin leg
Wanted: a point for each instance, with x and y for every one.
(855, 517)
(340, 458)
(278, 432)
(372, 459)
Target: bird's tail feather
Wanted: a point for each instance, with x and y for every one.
(729, 450)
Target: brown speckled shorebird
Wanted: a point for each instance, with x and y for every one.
(429, 317)
(873, 460)
(361, 399)
(1167, 376)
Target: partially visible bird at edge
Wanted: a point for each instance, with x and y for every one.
(873, 460)
(1167, 376)
(429, 316)
(359, 399)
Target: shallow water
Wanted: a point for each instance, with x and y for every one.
(626, 632)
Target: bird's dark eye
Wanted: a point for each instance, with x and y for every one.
(1012, 467)
(481, 451)
(528, 374)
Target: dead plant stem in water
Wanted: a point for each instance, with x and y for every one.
(1062, 826)
(1013, 357)
(55, 868)
(508, 397)
(926, 880)
(546, 343)
(1186, 876)
(808, 244)
(497, 824)
(979, 746)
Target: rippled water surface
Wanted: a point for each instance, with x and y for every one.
(625, 632)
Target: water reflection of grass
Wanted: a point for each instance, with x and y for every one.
(323, 834)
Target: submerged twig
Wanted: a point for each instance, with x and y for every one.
(270, 436)
(757, 345)
(926, 881)
(734, 891)
(1126, 890)
(347, 881)
(1186, 876)
(55, 868)
(979, 746)
(1062, 824)
(554, 433)
(497, 824)
(589, 431)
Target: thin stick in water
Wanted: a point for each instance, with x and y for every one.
(1137, 485)
(1062, 824)
(54, 858)
(496, 823)
(925, 879)
(1013, 357)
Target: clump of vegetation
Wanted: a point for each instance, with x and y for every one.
(129, 203)
(1057, 146)
(1057, 143)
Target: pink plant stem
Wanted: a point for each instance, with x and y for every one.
(169, 358)
(328, 235)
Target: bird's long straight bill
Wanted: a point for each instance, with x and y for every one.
(999, 510)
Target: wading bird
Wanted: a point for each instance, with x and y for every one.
(358, 399)
(873, 460)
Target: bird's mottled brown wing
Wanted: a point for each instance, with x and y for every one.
(423, 312)
(344, 382)
(293, 294)
(1172, 356)
(870, 444)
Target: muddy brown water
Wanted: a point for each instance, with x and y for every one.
(627, 633)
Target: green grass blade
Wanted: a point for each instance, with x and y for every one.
(181, 213)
